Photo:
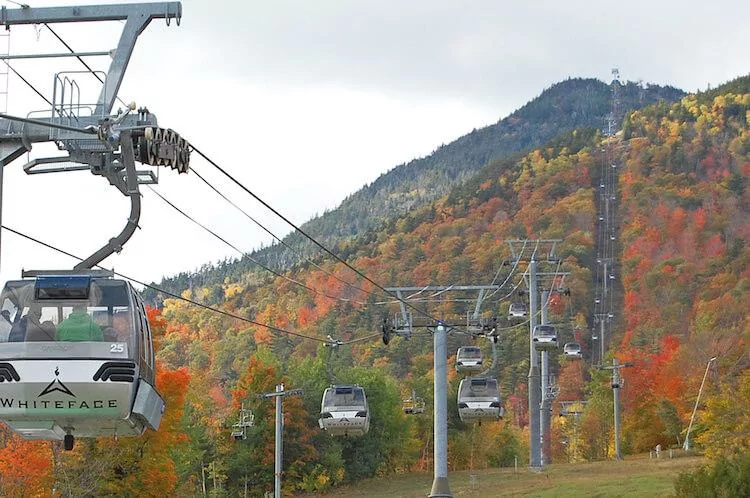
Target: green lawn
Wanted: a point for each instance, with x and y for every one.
(635, 476)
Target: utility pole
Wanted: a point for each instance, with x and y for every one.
(278, 448)
(686, 444)
(616, 385)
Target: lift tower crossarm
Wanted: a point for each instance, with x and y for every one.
(136, 16)
(108, 144)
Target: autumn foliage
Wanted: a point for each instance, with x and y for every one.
(682, 291)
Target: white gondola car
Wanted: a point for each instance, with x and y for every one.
(544, 337)
(478, 399)
(344, 411)
(78, 360)
(469, 359)
(517, 310)
(572, 351)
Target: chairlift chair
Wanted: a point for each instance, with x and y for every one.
(413, 405)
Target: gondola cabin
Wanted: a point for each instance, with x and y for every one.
(469, 359)
(544, 337)
(517, 310)
(572, 351)
(77, 359)
(344, 411)
(479, 399)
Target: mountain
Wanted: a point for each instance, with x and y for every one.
(684, 275)
(565, 106)
(683, 245)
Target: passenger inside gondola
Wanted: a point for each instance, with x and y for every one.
(79, 326)
(36, 330)
(18, 330)
(121, 325)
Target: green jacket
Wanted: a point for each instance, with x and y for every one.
(78, 327)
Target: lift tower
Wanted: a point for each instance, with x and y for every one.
(94, 138)
(403, 326)
(534, 251)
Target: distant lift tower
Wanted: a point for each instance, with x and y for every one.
(534, 251)
(403, 326)
(547, 282)
(93, 137)
(617, 382)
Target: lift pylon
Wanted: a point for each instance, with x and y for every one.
(106, 143)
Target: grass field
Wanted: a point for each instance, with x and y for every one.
(636, 476)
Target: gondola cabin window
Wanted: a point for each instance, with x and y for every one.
(344, 396)
(94, 315)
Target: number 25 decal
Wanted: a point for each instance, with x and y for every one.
(116, 348)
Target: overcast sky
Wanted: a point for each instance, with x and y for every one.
(307, 102)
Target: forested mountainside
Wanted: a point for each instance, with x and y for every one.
(565, 106)
(685, 275)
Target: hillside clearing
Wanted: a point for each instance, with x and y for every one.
(635, 476)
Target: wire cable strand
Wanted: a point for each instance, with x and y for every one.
(28, 83)
(79, 58)
(306, 235)
(281, 241)
(270, 270)
(181, 298)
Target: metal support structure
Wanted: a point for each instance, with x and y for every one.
(54, 56)
(279, 439)
(404, 322)
(538, 248)
(686, 444)
(535, 447)
(115, 244)
(616, 398)
(616, 385)
(136, 17)
(279, 446)
(104, 143)
(545, 419)
(440, 487)
(601, 319)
